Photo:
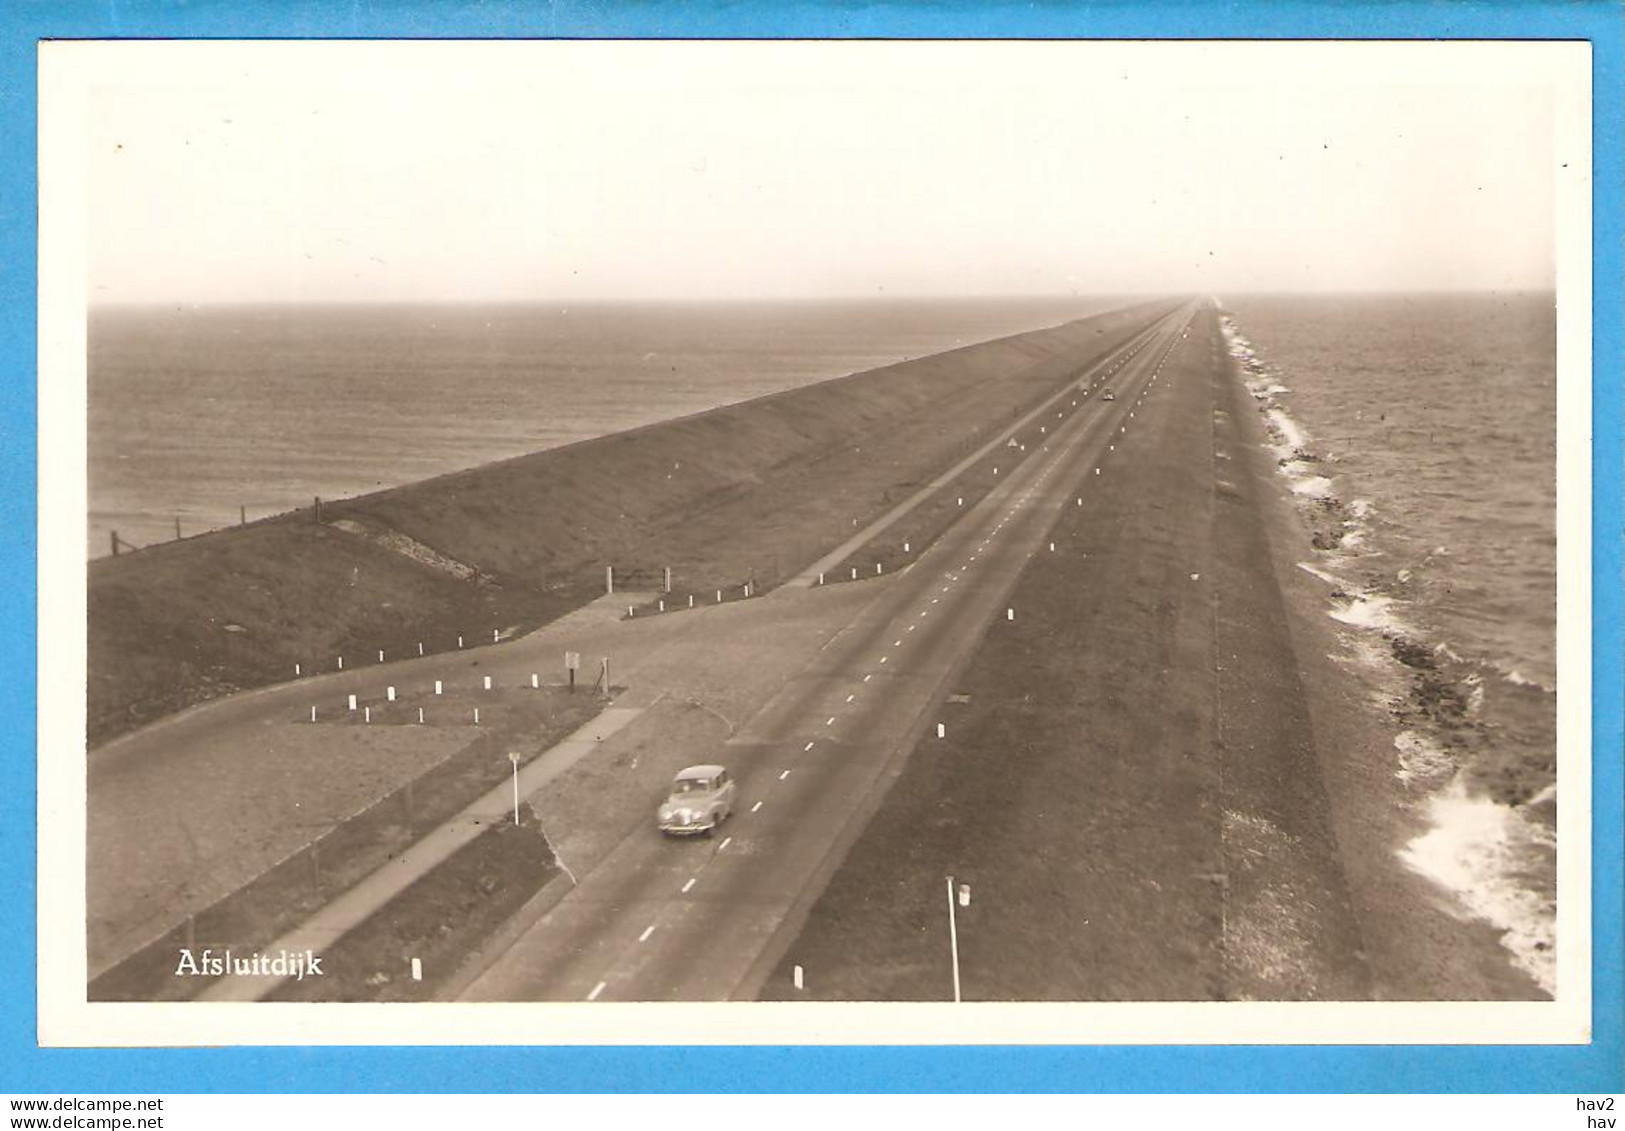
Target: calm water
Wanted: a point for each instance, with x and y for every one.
(195, 412)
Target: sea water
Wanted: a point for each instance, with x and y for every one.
(1419, 435)
(204, 415)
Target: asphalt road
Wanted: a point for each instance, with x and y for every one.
(660, 919)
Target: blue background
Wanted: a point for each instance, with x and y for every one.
(26, 1068)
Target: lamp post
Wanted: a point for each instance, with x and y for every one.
(514, 758)
(953, 926)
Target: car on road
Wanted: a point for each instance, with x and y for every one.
(701, 798)
(1107, 395)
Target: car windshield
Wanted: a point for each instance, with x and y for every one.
(690, 785)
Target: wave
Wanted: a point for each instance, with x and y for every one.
(1489, 840)
(1483, 851)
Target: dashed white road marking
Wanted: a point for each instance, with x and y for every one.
(755, 807)
(830, 721)
(691, 878)
(809, 745)
(849, 699)
(883, 659)
(726, 841)
(784, 775)
(596, 990)
(647, 931)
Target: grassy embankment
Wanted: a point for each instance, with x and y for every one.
(521, 720)
(745, 492)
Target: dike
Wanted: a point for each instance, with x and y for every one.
(747, 492)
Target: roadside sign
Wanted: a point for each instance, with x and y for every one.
(572, 660)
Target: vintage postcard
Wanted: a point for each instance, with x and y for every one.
(721, 542)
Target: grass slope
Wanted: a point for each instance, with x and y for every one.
(746, 491)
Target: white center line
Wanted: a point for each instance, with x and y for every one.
(596, 990)
(691, 878)
(784, 775)
(647, 931)
(849, 699)
(726, 841)
(755, 807)
(912, 627)
(829, 721)
(896, 643)
(867, 678)
(883, 659)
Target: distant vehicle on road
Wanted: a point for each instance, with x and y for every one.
(702, 797)
(1107, 395)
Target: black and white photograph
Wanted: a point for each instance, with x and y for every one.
(912, 542)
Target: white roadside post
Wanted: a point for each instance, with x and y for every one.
(953, 936)
(514, 758)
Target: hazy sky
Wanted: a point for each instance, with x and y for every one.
(387, 172)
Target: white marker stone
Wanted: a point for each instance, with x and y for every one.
(798, 977)
(296, 669)
(942, 731)
(417, 969)
(313, 714)
(535, 680)
(380, 655)
(476, 716)
(366, 714)
(487, 683)
(1009, 614)
(420, 714)
(341, 663)
(389, 693)
(352, 702)
(437, 687)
